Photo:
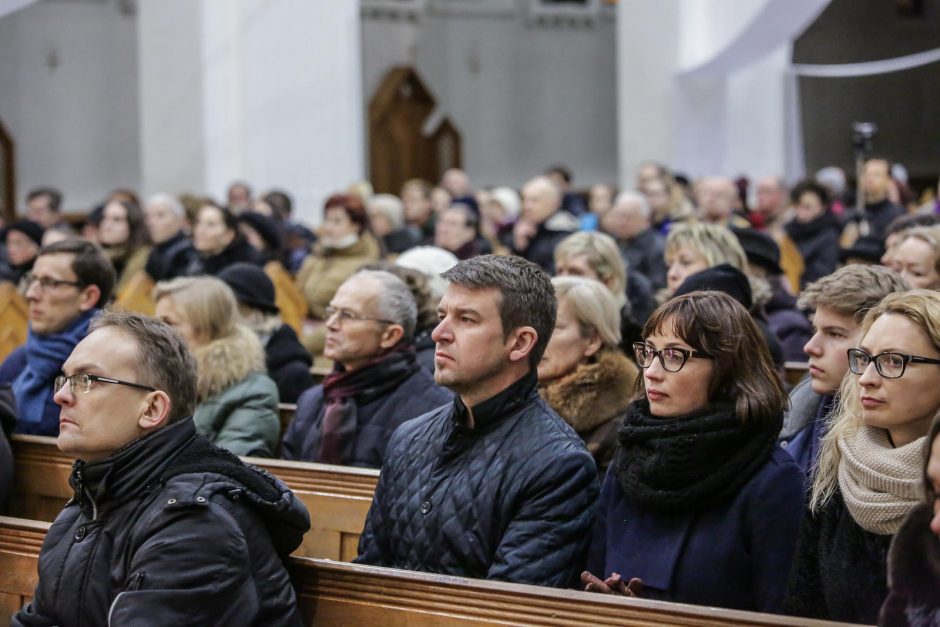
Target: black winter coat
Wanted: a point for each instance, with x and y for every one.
(646, 254)
(7, 422)
(510, 499)
(169, 531)
(839, 568)
(541, 248)
(818, 242)
(171, 258)
(238, 250)
(376, 420)
(913, 574)
(288, 364)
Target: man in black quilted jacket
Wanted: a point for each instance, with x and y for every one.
(494, 485)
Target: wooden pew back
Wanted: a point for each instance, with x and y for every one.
(14, 319)
(287, 296)
(330, 593)
(137, 295)
(337, 497)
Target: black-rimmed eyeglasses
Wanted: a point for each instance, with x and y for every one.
(344, 315)
(889, 365)
(83, 382)
(671, 358)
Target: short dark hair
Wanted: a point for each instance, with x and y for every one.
(280, 202)
(744, 375)
(810, 186)
(163, 360)
(561, 171)
(54, 196)
(89, 264)
(353, 208)
(527, 295)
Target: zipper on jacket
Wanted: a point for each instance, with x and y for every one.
(83, 490)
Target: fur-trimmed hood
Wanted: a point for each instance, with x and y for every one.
(224, 362)
(594, 393)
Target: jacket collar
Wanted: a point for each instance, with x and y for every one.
(130, 470)
(504, 404)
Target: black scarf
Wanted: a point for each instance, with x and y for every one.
(799, 231)
(689, 463)
(343, 393)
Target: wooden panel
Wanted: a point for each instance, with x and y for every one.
(137, 295)
(333, 593)
(14, 319)
(287, 296)
(337, 497)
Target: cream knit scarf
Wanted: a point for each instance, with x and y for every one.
(880, 484)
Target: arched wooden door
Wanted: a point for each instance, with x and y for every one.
(7, 175)
(398, 147)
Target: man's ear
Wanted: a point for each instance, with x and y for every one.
(156, 410)
(391, 335)
(89, 296)
(521, 342)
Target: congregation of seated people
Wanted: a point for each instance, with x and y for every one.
(704, 391)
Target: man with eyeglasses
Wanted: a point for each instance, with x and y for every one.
(69, 282)
(164, 528)
(377, 383)
(493, 485)
(839, 301)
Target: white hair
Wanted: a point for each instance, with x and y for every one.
(508, 199)
(168, 201)
(391, 206)
(635, 197)
(832, 177)
(432, 262)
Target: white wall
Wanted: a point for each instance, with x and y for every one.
(68, 73)
(523, 97)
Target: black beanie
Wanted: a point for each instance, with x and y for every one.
(28, 228)
(251, 285)
(760, 248)
(721, 278)
(268, 228)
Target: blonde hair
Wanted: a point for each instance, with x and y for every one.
(603, 255)
(930, 235)
(592, 305)
(207, 304)
(716, 243)
(921, 307)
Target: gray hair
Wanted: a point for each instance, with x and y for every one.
(432, 261)
(638, 198)
(593, 307)
(391, 206)
(169, 201)
(163, 360)
(394, 301)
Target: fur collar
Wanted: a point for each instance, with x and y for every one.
(224, 362)
(594, 393)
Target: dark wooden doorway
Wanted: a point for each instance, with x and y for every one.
(7, 174)
(399, 149)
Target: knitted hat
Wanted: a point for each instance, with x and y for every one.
(28, 228)
(721, 278)
(760, 248)
(251, 285)
(868, 248)
(267, 227)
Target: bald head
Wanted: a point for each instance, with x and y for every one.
(715, 197)
(541, 198)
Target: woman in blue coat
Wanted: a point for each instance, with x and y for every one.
(699, 505)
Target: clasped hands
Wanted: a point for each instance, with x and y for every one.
(612, 585)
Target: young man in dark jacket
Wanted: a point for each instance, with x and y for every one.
(494, 485)
(164, 528)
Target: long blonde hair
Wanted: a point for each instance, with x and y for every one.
(207, 303)
(922, 307)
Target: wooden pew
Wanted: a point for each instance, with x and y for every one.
(330, 593)
(137, 295)
(338, 497)
(287, 296)
(795, 370)
(14, 319)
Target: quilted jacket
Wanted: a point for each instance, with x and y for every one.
(510, 499)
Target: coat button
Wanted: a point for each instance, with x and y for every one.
(200, 499)
(80, 533)
(426, 507)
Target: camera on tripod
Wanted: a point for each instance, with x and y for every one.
(862, 134)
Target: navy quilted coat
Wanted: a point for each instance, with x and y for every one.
(510, 499)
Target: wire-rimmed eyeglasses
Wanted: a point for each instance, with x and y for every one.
(83, 382)
(671, 358)
(889, 365)
(344, 315)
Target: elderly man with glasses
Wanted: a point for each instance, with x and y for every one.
(69, 282)
(164, 528)
(377, 383)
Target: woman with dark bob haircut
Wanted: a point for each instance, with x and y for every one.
(700, 506)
